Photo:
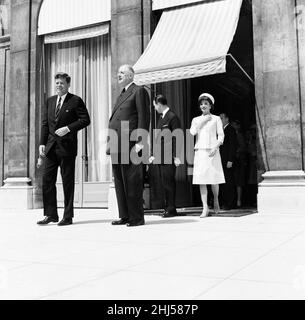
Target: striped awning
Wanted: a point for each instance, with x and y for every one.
(162, 4)
(189, 41)
(78, 34)
(62, 15)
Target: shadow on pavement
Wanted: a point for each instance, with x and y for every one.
(93, 221)
(171, 221)
(161, 221)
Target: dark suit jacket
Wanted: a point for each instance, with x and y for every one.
(229, 146)
(131, 106)
(167, 142)
(73, 114)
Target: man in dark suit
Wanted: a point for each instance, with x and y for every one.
(167, 152)
(228, 154)
(64, 115)
(131, 113)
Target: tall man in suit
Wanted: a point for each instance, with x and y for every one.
(228, 154)
(63, 116)
(168, 149)
(131, 113)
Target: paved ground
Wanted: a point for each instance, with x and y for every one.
(250, 257)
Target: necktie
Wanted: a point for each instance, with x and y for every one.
(159, 121)
(57, 108)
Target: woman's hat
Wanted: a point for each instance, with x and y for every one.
(206, 96)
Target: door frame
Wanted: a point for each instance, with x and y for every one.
(5, 49)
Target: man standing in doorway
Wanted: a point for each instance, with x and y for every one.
(64, 115)
(166, 143)
(228, 154)
(131, 113)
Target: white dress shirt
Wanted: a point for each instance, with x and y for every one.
(225, 126)
(165, 112)
(209, 134)
(126, 88)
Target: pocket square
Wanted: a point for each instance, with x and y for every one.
(67, 110)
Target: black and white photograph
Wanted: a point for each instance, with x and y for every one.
(152, 150)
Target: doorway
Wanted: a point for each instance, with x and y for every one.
(234, 94)
(87, 61)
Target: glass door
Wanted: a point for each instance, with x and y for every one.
(88, 63)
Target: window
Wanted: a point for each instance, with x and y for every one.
(5, 11)
(87, 62)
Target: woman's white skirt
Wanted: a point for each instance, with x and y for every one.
(207, 170)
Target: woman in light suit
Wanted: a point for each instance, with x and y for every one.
(207, 162)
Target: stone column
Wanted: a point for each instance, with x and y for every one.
(277, 81)
(22, 121)
(37, 100)
(300, 28)
(4, 96)
(130, 34)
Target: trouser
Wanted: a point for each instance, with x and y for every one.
(228, 190)
(167, 172)
(128, 180)
(67, 168)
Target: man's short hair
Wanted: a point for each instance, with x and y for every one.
(225, 113)
(160, 98)
(128, 67)
(62, 75)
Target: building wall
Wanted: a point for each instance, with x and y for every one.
(25, 104)
(130, 20)
(130, 33)
(277, 83)
(23, 112)
(279, 77)
(300, 23)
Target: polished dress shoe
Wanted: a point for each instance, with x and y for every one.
(119, 222)
(135, 224)
(65, 222)
(47, 220)
(166, 214)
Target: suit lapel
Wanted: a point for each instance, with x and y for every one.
(159, 122)
(53, 107)
(122, 97)
(227, 128)
(163, 120)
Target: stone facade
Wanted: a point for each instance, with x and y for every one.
(279, 81)
(130, 32)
